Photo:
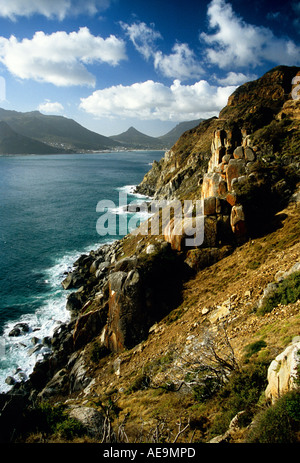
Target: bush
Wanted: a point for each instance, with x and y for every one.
(206, 389)
(253, 348)
(241, 393)
(280, 423)
(49, 419)
(287, 292)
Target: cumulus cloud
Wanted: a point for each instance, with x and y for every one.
(236, 43)
(180, 64)
(153, 100)
(60, 58)
(50, 107)
(51, 9)
(235, 78)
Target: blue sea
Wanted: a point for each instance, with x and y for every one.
(48, 219)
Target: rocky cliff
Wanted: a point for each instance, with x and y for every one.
(141, 308)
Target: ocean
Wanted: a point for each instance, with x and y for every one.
(48, 218)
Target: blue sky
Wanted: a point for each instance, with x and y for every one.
(111, 64)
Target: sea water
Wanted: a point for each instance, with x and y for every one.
(48, 219)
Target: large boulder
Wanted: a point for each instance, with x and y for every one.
(236, 168)
(282, 372)
(90, 418)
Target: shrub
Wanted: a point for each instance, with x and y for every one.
(69, 428)
(49, 419)
(241, 393)
(278, 424)
(253, 348)
(206, 389)
(287, 292)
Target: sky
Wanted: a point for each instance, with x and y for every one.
(112, 64)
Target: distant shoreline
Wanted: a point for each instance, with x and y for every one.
(80, 152)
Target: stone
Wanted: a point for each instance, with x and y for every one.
(226, 158)
(210, 184)
(90, 418)
(10, 381)
(238, 153)
(237, 222)
(231, 198)
(210, 205)
(150, 249)
(282, 372)
(19, 329)
(73, 280)
(236, 168)
(57, 385)
(249, 154)
(222, 188)
(78, 375)
(89, 325)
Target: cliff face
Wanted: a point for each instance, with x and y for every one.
(153, 293)
(247, 159)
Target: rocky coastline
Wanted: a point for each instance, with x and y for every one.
(124, 289)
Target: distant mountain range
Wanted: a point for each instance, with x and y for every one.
(33, 132)
(133, 139)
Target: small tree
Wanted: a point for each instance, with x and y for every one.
(207, 365)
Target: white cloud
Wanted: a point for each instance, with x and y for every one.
(152, 100)
(236, 78)
(60, 58)
(180, 64)
(49, 107)
(52, 9)
(142, 37)
(236, 43)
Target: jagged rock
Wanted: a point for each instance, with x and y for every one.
(57, 385)
(73, 280)
(78, 375)
(282, 371)
(74, 303)
(10, 380)
(89, 325)
(19, 329)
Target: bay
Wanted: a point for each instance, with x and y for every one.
(48, 218)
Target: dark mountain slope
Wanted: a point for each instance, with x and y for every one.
(14, 143)
(57, 131)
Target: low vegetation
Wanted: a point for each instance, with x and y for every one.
(287, 292)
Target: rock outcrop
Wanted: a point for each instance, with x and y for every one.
(282, 372)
